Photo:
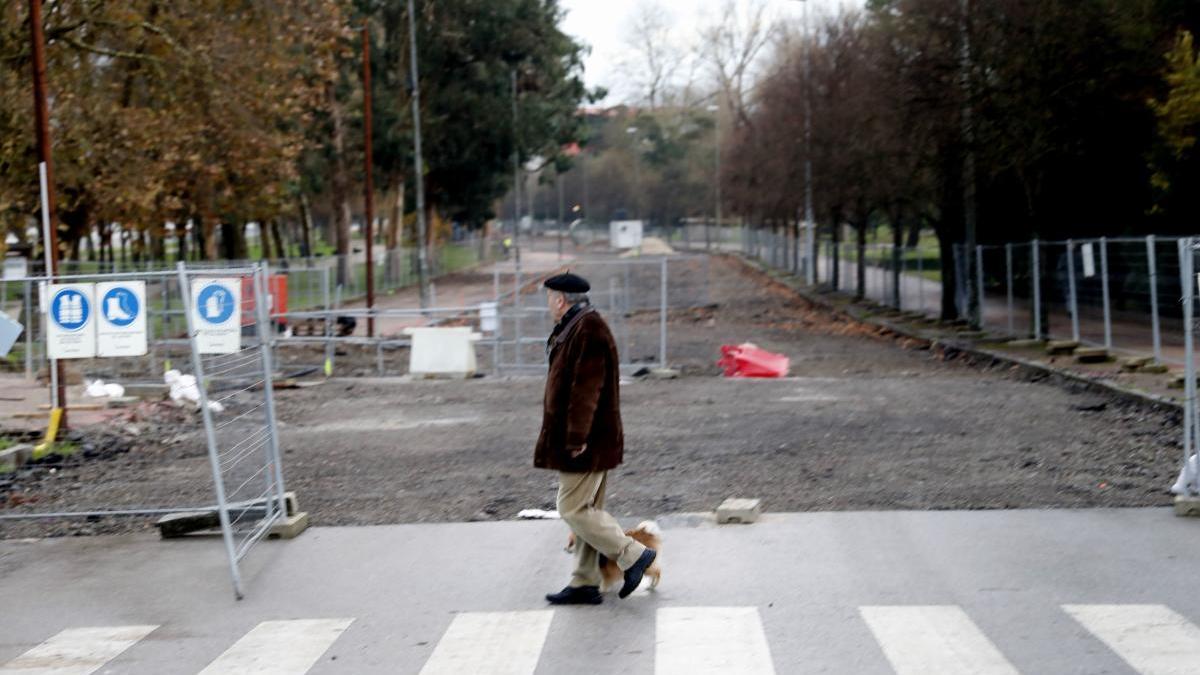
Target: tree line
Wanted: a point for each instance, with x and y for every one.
(177, 125)
(988, 122)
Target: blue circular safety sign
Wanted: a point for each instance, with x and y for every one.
(70, 309)
(120, 306)
(215, 304)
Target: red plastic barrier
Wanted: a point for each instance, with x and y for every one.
(747, 360)
(277, 287)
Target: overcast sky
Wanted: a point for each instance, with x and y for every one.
(602, 25)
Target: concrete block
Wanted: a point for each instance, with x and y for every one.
(1023, 343)
(1091, 355)
(442, 351)
(1187, 507)
(1056, 347)
(149, 391)
(290, 527)
(737, 510)
(664, 373)
(1135, 363)
(1155, 368)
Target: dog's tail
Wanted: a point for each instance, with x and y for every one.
(649, 527)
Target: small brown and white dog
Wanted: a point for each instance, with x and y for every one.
(650, 535)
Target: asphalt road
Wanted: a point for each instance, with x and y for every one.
(1084, 591)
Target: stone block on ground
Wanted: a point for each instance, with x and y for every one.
(149, 391)
(1091, 355)
(1187, 506)
(663, 373)
(1155, 368)
(739, 510)
(290, 527)
(1135, 363)
(1058, 347)
(1023, 343)
(1177, 381)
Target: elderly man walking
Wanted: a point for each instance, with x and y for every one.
(582, 439)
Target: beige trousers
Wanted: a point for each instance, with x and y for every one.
(581, 505)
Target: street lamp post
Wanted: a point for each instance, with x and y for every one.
(637, 178)
(418, 178)
(810, 268)
(716, 110)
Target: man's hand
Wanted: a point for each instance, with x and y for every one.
(580, 451)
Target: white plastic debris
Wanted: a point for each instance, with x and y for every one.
(183, 388)
(1189, 477)
(538, 514)
(101, 389)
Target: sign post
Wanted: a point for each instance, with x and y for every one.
(121, 328)
(216, 315)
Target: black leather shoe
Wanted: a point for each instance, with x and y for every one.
(633, 575)
(576, 595)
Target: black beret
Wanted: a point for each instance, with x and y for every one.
(568, 283)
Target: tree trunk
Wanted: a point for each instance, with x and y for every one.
(860, 234)
(264, 241)
(392, 235)
(306, 225)
(897, 257)
(949, 275)
(280, 244)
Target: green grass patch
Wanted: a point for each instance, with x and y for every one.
(60, 448)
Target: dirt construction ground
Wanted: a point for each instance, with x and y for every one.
(864, 422)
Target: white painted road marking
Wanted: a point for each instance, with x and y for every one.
(491, 643)
(77, 651)
(928, 640)
(279, 648)
(718, 640)
(1153, 639)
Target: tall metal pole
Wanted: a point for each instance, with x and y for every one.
(419, 169)
(974, 312)
(369, 184)
(41, 113)
(810, 270)
(558, 182)
(516, 188)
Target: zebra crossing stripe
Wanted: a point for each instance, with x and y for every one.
(1153, 639)
(717, 640)
(491, 643)
(930, 640)
(279, 648)
(76, 651)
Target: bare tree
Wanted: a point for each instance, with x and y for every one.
(655, 56)
(731, 47)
